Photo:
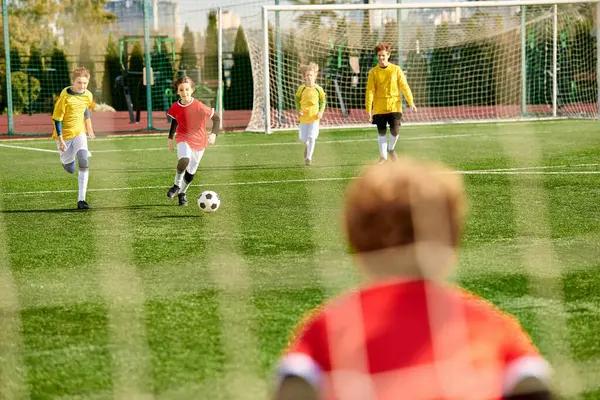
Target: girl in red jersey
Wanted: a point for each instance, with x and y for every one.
(188, 126)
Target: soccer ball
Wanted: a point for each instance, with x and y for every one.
(209, 201)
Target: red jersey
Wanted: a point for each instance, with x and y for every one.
(191, 122)
(412, 340)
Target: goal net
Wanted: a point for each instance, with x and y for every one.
(468, 63)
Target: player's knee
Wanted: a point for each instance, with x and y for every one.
(70, 167)
(82, 158)
(188, 177)
(382, 132)
(183, 163)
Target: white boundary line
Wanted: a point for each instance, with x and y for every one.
(27, 148)
(504, 171)
(295, 143)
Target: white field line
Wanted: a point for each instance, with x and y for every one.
(28, 148)
(503, 171)
(296, 143)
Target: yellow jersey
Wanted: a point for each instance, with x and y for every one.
(383, 90)
(311, 101)
(70, 109)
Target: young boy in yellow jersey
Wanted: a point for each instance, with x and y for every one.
(71, 122)
(310, 104)
(383, 101)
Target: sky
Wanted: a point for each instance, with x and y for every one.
(195, 12)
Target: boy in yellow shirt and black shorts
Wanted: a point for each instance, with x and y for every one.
(383, 101)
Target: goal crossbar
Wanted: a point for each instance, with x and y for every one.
(413, 5)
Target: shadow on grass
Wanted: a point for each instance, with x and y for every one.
(92, 209)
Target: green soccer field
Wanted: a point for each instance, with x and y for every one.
(140, 297)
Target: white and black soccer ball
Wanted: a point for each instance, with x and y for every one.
(209, 201)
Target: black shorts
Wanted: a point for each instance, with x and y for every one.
(383, 120)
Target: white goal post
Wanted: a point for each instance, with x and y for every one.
(465, 61)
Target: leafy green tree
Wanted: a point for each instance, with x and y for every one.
(188, 63)
(112, 69)
(239, 95)
(211, 48)
(136, 64)
(35, 68)
(85, 60)
(59, 74)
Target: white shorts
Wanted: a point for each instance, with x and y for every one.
(79, 142)
(185, 151)
(309, 131)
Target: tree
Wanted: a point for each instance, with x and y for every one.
(112, 69)
(316, 19)
(35, 69)
(239, 95)
(136, 64)
(189, 62)
(85, 60)
(211, 48)
(34, 21)
(163, 77)
(441, 78)
(15, 59)
(79, 17)
(59, 71)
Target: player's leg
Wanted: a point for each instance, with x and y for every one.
(394, 121)
(82, 178)
(380, 121)
(183, 155)
(67, 158)
(81, 154)
(303, 136)
(313, 133)
(189, 174)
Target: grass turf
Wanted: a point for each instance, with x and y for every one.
(140, 296)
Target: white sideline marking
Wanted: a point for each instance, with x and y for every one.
(296, 143)
(28, 148)
(504, 171)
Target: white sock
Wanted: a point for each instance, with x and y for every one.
(310, 148)
(382, 146)
(178, 177)
(392, 142)
(82, 178)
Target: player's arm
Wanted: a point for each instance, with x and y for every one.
(322, 101)
(295, 388)
(403, 85)
(527, 376)
(298, 100)
(216, 128)
(172, 131)
(370, 94)
(87, 117)
(300, 371)
(530, 388)
(57, 117)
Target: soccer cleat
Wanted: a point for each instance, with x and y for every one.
(172, 192)
(307, 161)
(381, 160)
(82, 205)
(393, 155)
(182, 199)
